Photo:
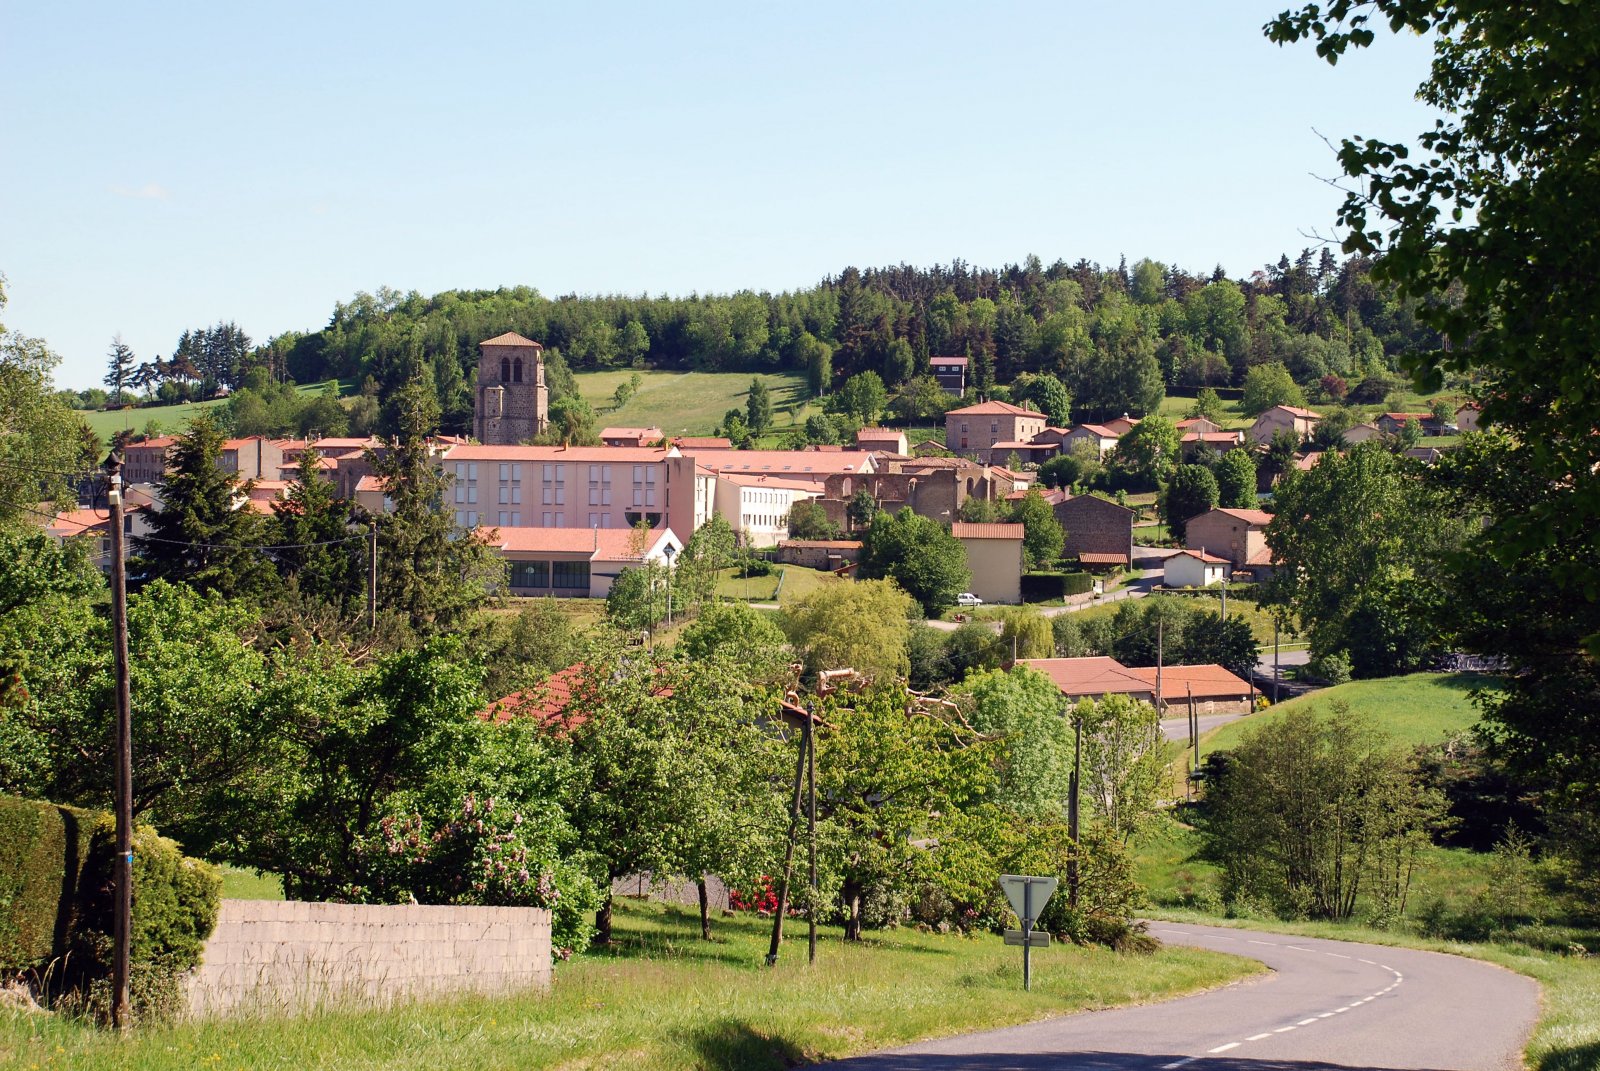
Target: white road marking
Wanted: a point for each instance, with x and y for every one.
(1299, 948)
(1306, 1022)
(1269, 944)
(1335, 955)
(1256, 1037)
(1283, 1030)
(1373, 962)
(1225, 1048)
(1336, 1011)
(1178, 1063)
(1324, 1015)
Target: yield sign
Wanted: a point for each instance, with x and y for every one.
(1028, 895)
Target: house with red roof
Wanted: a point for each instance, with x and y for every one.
(1213, 689)
(888, 440)
(951, 374)
(631, 436)
(994, 554)
(1238, 536)
(976, 428)
(1194, 569)
(1291, 418)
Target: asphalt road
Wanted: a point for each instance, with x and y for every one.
(1326, 1006)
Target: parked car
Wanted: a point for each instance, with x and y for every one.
(967, 598)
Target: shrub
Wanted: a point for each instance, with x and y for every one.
(56, 894)
(1333, 667)
(1045, 587)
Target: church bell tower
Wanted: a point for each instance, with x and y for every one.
(511, 403)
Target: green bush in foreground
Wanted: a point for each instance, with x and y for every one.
(56, 904)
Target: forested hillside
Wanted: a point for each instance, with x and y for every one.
(1119, 338)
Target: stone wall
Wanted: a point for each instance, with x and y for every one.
(269, 956)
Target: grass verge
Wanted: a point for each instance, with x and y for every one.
(664, 999)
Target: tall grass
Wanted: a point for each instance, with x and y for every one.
(663, 999)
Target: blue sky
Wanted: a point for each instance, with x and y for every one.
(171, 165)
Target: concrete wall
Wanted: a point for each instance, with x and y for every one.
(277, 956)
(996, 566)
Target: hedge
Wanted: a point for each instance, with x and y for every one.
(56, 900)
(1044, 587)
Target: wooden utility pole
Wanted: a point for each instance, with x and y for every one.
(1224, 600)
(1277, 669)
(1161, 629)
(122, 865)
(372, 573)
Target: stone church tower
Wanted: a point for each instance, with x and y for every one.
(511, 404)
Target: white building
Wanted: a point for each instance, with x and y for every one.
(1194, 569)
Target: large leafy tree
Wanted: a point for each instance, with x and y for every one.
(320, 555)
(1236, 479)
(1267, 385)
(1047, 394)
(1042, 537)
(920, 555)
(1149, 450)
(1361, 543)
(1191, 491)
(1498, 210)
(43, 443)
(863, 626)
(1034, 763)
(204, 535)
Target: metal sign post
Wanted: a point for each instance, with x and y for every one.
(1028, 895)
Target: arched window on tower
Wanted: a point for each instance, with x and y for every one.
(516, 370)
(505, 369)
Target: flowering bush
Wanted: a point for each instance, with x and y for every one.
(485, 855)
(763, 899)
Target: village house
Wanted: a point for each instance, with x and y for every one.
(1198, 425)
(1360, 433)
(1120, 426)
(756, 505)
(888, 440)
(1237, 535)
(1291, 418)
(1103, 438)
(1196, 444)
(994, 555)
(1099, 532)
(630, 436)
(1212, 689)
(976, 428)
(573, 563)
(94, 525)
(1194, 569)
(950, 373)
(1467, 415)
(1394, 423)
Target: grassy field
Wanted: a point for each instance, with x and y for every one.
(106, 423)
(1417, 709)
(689, 403)
(662, 999)
(798, 582)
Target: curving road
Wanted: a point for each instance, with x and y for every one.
(1326, 1006)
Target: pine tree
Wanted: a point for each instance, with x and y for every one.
(119, 372)
(204, 535)
(313, 523)
(427, 570)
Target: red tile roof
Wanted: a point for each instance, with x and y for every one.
(651, 434)
(1295, 410)
(602, 544)
(1203, 556)
(1207, 682)
(963, 530)
(995, 408)
(827, 544)
(1092, 557)
(546, 703)
(510, 338)
(596, 454)
(1248, 516)
(1088, 676)
(948, 362)
(701, 442)
(779, 462)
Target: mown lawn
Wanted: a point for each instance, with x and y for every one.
(798, 582)
(1421, 708)
(663, 999)
(239, 883)
(689, 403)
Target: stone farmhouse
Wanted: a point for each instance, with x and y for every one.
(979, 427)
(1291, 418)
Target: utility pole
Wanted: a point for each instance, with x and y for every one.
(1277, 670)
(372, 574)
(1224, 599)
(1194, 729)
(1161, 630)
(122, 865)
